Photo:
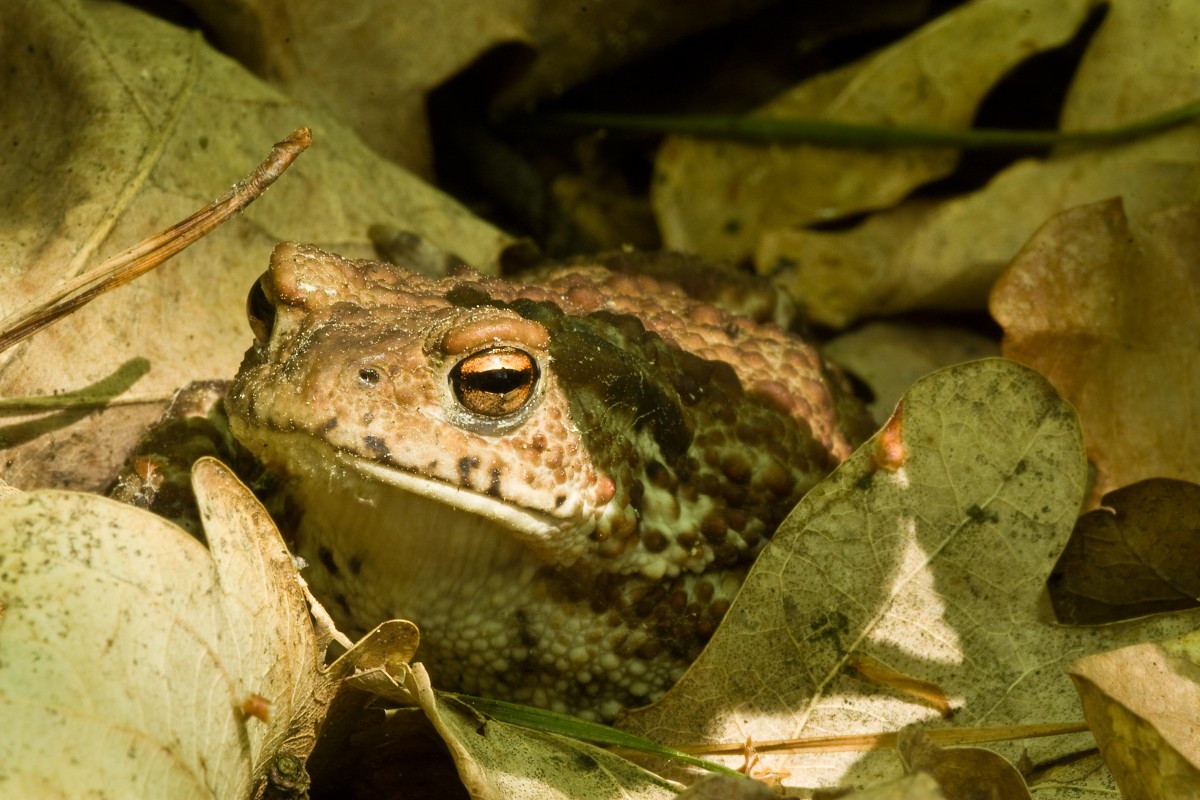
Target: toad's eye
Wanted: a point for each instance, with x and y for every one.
(495, 383)
(260, 311)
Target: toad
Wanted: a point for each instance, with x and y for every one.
(562, 482)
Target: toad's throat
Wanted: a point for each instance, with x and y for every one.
(383, 544)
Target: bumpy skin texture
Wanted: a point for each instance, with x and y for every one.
(577, 548)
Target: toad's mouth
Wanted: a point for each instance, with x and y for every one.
(535, 524)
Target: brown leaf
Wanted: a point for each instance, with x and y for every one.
(1141, 702)
(1137, 554)
(1106, 309)
(103, 151)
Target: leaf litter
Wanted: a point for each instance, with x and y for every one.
(951, 611)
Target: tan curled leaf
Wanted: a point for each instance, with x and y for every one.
(117, 126)
(1106, 308)
(926, 551)
(1141, 703)
(727, 787)
(963, 772)
(1141, 61)
(911, 787)
(889, 356)
(1137, 554)
(133, 661)
(719, 198)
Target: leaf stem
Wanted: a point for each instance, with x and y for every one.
(790, 130)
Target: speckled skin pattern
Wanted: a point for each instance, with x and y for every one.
(575, 552)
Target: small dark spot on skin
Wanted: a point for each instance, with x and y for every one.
(1020, 467)
(368, 376)
(732, 225)
(726, 554)
(376, 445)
(559, 500)
(329, 425)
(355, 563)
(981, 515)
(654, 541)
(327, 561)
(737, 468)
(465, 465)
(649, 650)
(493, 489)
(714, 527)
(864, 482)
(340, 599)
(525, 630)
(658, 474)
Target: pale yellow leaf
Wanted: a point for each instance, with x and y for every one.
(128, 652)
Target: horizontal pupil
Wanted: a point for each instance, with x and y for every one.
(497, 381)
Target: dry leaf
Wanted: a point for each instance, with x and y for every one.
(1106, 309)
(927, 551)
(498, 761)
(103, 151)
(134, 663)
(1141, 703)
(372, 63)
(1137, 554)
(719, 198)
(923, 254)
(727, 787)
(1142, 61)
(911, 787)
(890, 356)
(963, 773)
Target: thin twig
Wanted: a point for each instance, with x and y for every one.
(146, 255)
(858, 743)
